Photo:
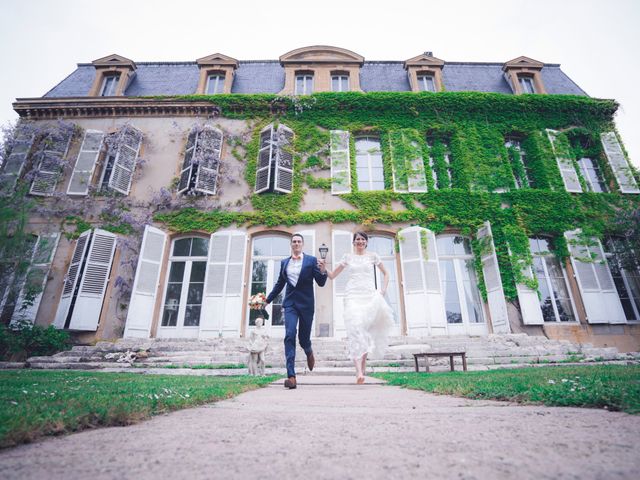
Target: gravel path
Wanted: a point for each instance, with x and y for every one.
(329, 428)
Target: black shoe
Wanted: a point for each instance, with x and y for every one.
(311, 361)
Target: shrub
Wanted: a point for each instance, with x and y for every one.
(23, 340)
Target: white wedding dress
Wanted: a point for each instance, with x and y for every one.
(368, 317)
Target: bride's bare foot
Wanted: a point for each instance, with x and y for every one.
(360, 380)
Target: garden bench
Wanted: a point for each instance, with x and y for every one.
(426, 356)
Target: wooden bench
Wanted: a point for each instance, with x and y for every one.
(426, 356)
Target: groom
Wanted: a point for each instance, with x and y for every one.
(298, 272)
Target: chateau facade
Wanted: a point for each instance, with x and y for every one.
(153, 199)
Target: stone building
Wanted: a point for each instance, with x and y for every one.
(162, 195)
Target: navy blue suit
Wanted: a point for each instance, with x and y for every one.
(298, 306)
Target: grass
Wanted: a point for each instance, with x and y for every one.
(38, 403)
(614, 387)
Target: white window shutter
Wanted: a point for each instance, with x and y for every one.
(527, 297)
(222, 304)
(145, 284)
(416, 181)
(126, 159)
(96, 273)
(493, 281)
(283, 181)
(309, 242)
(209, 151)
(599, 294)
(567, 170)
(14, 163)
(187, 163)
(342, 243)
(340, 162)
(49, 169)
(85, 163)
(266, 152)
(71, 279)
(618, 162)
(36, 277)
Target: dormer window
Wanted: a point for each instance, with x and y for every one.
(527, 84)
(340, 82)
(215, 83)
(109, 84)
(426, 82)
(304, 84)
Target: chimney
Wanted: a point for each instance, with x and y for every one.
(429, 54)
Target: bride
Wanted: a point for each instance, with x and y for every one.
(368, 318)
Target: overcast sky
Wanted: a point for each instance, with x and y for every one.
(595, 41)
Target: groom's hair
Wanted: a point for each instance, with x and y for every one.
(298, 235)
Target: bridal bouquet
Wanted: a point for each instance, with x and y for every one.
(258, 302)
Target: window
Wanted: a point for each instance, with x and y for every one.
(592, 175)
(201, 161)
(86, 281)
(109, 85)
(304, 84)
(275, 160)
(441, 172)
(518, 160)
(555, 299)
(185, 285)
(527, 84)
(369, 164)
(340, 83)
(426, 82)
(215, 84)
(267, 252)
(458, 280)
(385, 248)
(625, 271)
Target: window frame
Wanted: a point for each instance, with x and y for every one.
(109, 84)
(426, 80)
(307, 78)
(369, 166)
(220, 78)
(341, 78)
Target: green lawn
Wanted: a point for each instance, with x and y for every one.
(615, 387)
(37, 403)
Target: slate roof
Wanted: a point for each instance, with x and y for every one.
(267, 76)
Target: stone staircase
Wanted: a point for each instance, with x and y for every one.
(493, 351)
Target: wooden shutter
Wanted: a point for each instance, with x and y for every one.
(145, 284)
(309, 242)
(424, 305)
(415, 181)
(599, 294)
(187, 163)
(342, 243)
(266, 152)
(85, 163)
(493, 281)
(283, 181)
(95, 275)
(49, 169)
(527, 297)
(209, 150)
(340, 162)
(36, 277)
(222, 304)
(126, 158)
(15, 161)
(71, 279)
(567, 170)
(618, 162)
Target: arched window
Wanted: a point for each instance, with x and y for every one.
(555, 299)
(266, 253)
(459, 281)
(184, 290)
(369, 164)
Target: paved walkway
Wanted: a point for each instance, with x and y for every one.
(331, 429)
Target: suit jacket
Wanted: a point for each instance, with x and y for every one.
(300, 295)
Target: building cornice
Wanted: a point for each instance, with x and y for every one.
(97, 107)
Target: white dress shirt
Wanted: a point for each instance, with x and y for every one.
(293, 269)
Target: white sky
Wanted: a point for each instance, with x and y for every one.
(595, 41)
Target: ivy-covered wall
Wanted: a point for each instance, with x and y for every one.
(472, 127)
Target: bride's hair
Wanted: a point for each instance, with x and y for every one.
(362, 234)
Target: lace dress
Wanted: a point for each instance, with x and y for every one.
(367, 316)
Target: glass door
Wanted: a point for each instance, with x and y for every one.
(385, 248)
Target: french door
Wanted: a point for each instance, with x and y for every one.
(385, 248)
